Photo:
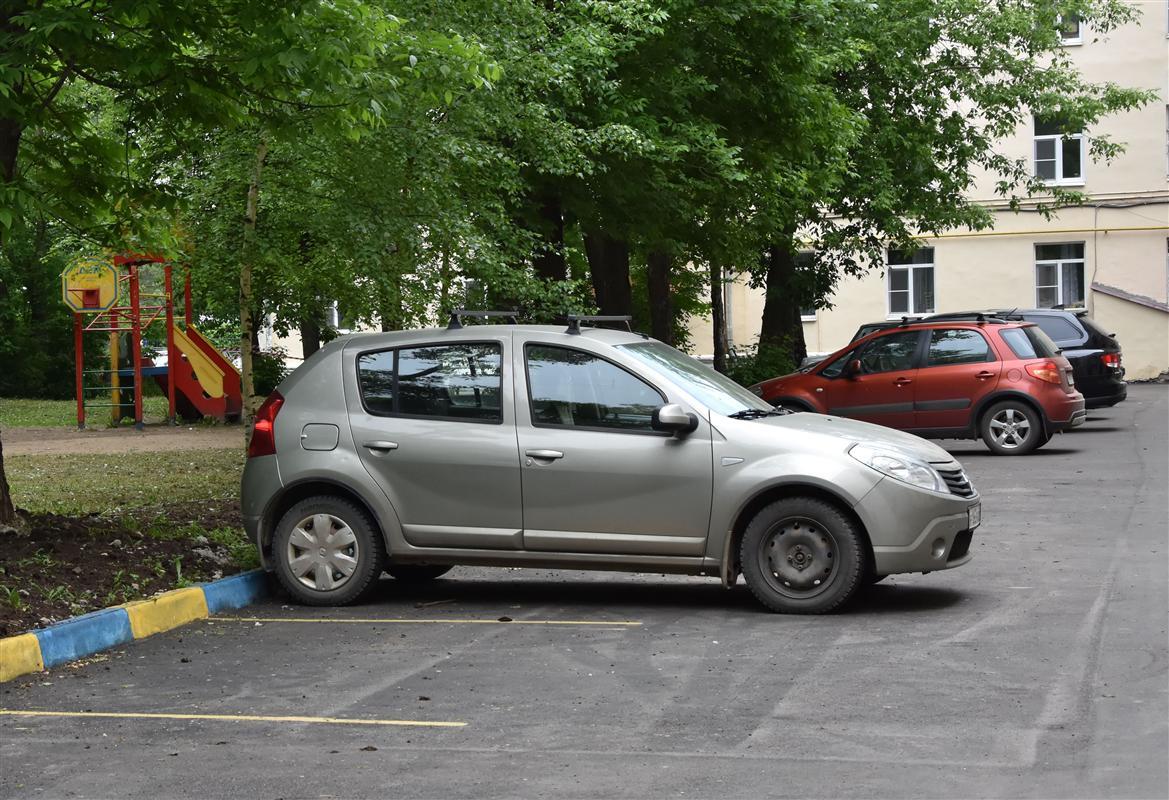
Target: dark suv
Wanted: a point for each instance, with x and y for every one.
(1002, 381)
(1093, 352)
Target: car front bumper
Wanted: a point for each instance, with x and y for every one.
(915, 530)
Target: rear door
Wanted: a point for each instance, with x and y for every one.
(883, 391)
(432, 424)
(960, 368)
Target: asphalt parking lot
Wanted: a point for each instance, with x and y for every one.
(1038, 670)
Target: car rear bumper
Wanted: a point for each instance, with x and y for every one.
(914, 530)
(1067, 414)
(260, 484)
(1110, 395)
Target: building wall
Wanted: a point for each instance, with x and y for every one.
(1124, 230)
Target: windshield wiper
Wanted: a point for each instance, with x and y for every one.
(756, 413)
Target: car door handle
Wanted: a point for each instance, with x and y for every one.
(984, 375)
(902, 381)
(547, 455)
(380, 447)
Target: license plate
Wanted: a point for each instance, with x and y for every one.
(974, 516)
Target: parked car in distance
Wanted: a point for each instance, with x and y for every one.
(1094, 353)
(1003, 382)
(580, 448)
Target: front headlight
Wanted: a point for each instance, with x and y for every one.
(899, 466)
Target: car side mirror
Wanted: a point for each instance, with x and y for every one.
(672, 418)
(852, 368)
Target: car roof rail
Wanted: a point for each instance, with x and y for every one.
(575, 320)
(459, 313)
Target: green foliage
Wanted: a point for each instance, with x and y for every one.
(269, 370)
(755, 363)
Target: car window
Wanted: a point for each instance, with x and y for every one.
(957, 346)
(1058, 328)
(1028, 342)
(718, 392)
(457, 382)
(836, 367)
(889, 353)
(572, 388)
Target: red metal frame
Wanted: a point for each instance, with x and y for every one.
(78, 370)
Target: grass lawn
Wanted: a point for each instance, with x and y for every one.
(18, 412)
(111, 483)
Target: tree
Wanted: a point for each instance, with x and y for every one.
(182, 69)
(930, 89)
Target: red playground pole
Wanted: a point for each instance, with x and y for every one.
(136, 345)
(187, 299)
(79, 370)
(171, 359)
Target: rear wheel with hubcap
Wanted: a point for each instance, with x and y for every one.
(327, 551)
(1012, 428)
(802, 555)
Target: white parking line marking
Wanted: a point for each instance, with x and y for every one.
(231, 718)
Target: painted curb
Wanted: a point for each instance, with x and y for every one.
(91, 633)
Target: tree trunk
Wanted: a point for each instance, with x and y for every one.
(609, 267)
(781, 325)
(549, 262)
(7, 510)
(718, 317)
(310, 336)
(247, 321)
(661, 311)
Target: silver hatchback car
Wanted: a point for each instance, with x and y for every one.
(581, 448)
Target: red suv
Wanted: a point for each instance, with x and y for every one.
(1004, 382)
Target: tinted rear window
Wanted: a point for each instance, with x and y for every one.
(1093, 327)
(1029, 342)
(1059, 328)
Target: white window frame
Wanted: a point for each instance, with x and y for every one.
(912, 268)
(1070, 40)
(1059, 263)
(1059, 179)
(808, 317)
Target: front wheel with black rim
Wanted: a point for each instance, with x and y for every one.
(1012, 428)
(802, 555)
(327, 551)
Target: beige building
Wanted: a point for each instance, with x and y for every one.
(1110, 256)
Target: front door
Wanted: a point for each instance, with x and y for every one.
(596, 477)
(433, 427)
(882, 392)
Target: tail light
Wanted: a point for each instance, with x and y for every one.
(1111, 360)
(1047, 371)
(263, 442)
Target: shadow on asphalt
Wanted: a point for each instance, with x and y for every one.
(1096, 429)
(626, 597)
(1043, 451)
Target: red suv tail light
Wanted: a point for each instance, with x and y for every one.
(1111, 360)
(1045, 371)
(263, 442)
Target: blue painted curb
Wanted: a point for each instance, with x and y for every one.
(99, 630)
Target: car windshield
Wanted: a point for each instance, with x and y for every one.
(718, 392)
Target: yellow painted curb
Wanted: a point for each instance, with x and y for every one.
(166, 611)
(20, 655)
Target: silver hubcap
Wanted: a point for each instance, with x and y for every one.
(1010, 428)
(800, 557)
(322, 552)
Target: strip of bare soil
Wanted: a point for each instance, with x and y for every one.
(63, 566)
